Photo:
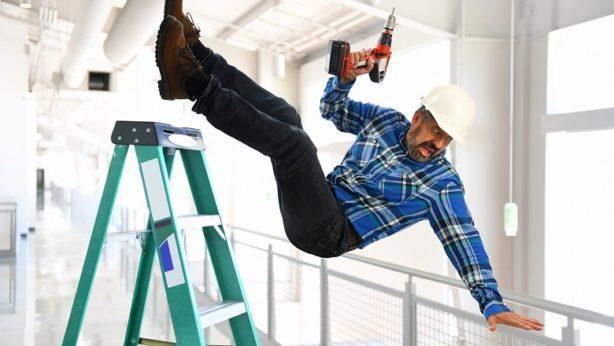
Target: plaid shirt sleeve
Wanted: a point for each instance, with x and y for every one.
(453, 224)
(348, 115)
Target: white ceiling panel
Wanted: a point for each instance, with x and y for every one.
(294, 27)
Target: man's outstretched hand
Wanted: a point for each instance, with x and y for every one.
(515, 320)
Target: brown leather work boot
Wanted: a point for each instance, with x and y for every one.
(174, 59)
(190, 30)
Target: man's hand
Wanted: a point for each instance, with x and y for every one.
(515, 320)
(356, 57)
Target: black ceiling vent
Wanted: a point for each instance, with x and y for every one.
(99, 81)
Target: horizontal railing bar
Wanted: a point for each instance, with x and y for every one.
(197, 221)
(259, 233)
(542, 339)
(340, 275)
(450, 309)
(543, 304)
(289, 258)
(249, 245)
(366, 283)
(296, 260)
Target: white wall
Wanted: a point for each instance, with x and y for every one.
(286, 87)
(482, 163)
(17, 143)
(17, 175)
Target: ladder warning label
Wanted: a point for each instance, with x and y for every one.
(154, 186)
(171, 264)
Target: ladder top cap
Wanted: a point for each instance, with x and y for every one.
(151, 133)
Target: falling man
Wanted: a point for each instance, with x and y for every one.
(393, 176)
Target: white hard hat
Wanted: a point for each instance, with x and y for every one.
(453, 109)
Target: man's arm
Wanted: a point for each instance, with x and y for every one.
(348, 115)
(454, 226)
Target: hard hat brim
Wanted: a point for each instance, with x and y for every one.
(444, 124)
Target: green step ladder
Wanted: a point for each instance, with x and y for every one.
(155, 145)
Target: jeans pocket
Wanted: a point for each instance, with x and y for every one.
(332, 240)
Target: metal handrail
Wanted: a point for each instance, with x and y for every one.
(529, 301)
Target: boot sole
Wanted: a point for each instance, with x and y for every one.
(163, 87)
(167, 8)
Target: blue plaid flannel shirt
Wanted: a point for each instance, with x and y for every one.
(383, 190)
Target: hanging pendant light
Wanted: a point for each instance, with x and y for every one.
(510, 210)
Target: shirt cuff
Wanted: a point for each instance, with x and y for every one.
(345, 87)
(495, 308)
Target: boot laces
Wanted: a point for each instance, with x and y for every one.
(195, 28)
(188, 61)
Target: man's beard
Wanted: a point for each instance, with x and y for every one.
(413, 149)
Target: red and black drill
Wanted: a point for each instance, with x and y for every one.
(338, 59)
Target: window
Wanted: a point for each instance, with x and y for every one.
(580, 68)
(579, 235)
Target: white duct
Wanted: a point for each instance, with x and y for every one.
(89, 22)
(136, 23)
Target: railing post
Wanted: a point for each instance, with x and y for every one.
(410, 321)
(324, 304)
(270, 294)
(232, 241)
(569, 335)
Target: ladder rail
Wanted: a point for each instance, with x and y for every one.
(94, 249)
(169, 248)
(144, 272)
(222, 259)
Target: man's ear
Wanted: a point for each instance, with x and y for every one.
(416, 118)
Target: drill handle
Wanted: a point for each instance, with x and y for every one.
(380, 65)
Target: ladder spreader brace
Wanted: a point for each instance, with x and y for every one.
(155, 145)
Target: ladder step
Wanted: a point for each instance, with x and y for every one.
(219, 312)
(197, 221)
(152, 342)
(183, 222)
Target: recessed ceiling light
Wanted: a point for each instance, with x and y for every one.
(27, 4)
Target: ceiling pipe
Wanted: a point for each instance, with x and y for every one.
(248, 17)
(89, 22)
(135, 25)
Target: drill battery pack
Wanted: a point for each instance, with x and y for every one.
(338, 51)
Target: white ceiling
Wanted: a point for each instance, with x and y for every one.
(296, 28)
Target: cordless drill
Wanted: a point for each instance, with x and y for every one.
(338, 60)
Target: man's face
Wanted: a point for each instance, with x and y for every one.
(425, 139)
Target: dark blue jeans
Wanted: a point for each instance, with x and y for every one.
(236, 105)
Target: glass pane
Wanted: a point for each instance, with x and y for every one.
(580, 68)
(6, 225)
(579, 232)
